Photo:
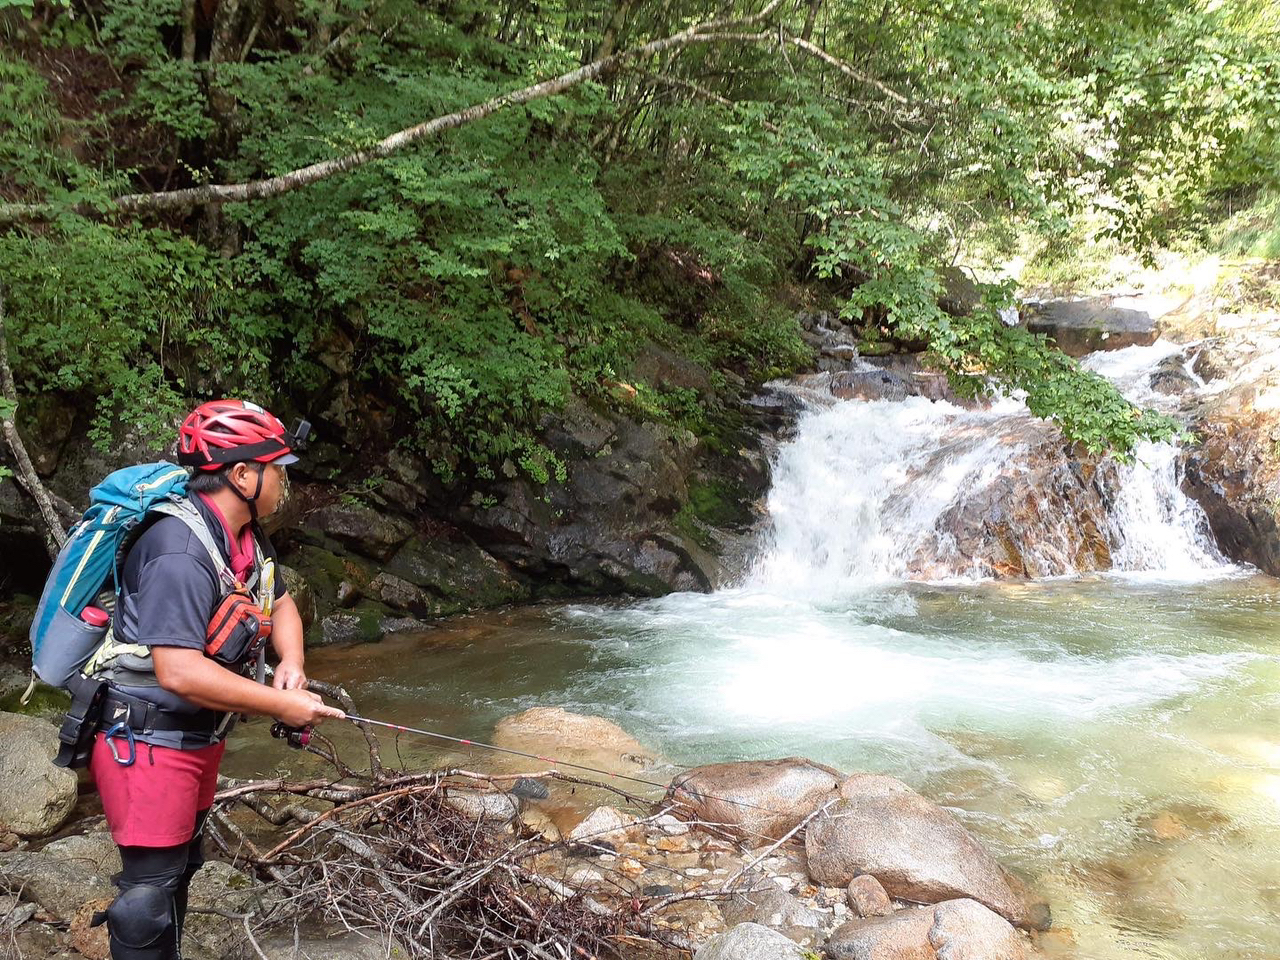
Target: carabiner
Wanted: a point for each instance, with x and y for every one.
(122, 727)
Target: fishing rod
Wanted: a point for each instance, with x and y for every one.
(301, 736)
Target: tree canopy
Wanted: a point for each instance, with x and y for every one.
(506, 201)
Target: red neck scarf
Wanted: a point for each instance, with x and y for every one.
(242, 552)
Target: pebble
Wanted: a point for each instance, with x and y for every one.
(671, 826)
(632, 868)
(697, 871)
(607, 858)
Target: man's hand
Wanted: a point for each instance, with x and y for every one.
(289, 676)
(302, 708)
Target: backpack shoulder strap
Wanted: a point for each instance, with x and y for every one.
(187, 512)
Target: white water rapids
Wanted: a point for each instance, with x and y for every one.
(862, 491)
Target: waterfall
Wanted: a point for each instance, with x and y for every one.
(915, 489)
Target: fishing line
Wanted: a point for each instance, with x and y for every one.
(559, 763)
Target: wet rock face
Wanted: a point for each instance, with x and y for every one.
(914, 848)
(1233, 472)
(1232, 468)
(1047, 515)
(616, 524)
(762, 799)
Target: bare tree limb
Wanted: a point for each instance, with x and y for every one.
(55, 537)
(179, 200)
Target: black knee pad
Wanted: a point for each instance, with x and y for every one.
(141, 925)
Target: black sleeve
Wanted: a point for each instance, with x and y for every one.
(175, 598)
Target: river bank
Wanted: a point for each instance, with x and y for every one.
(750, 859)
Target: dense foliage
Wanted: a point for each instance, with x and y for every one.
(466, 285)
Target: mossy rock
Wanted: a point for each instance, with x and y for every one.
(720, 503)
(46, 702)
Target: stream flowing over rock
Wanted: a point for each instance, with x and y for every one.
(901, 480)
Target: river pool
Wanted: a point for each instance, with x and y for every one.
(1116, 741)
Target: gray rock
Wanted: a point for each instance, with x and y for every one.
(362, 528)
(36, 797)
(452, 575)
(485, 807)
(870, 385)
(604, 824)
(304, 597)
(97, 850)
(614, 525)
(1170, 376)
(757, 798)
(917, 850)
(778, 910)
(221, 886)
(868, 897)
(1083, 326)
(342, 945)
(749, 941)
(954, 930)
(361, 625)
(60, 886)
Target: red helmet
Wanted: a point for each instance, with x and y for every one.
(233, 431)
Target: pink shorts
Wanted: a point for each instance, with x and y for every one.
(153, 802)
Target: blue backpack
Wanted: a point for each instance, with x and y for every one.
(61, 642)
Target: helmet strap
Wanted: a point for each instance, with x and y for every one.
(251, 502)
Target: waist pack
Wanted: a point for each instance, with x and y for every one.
(238, 630)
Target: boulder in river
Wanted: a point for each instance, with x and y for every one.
(870, 384)
(36, 797)
(758, 799)
(1094, 323)
(750, 941)
(917, 850)
(577, 738)
(953, 930)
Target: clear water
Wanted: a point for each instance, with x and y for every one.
(1115, 742)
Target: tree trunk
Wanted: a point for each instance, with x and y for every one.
(810, 19)
(609, 39)
(55, 536)
(189, 31)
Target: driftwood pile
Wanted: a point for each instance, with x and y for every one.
(385, 853)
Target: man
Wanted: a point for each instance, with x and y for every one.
(157, 770)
